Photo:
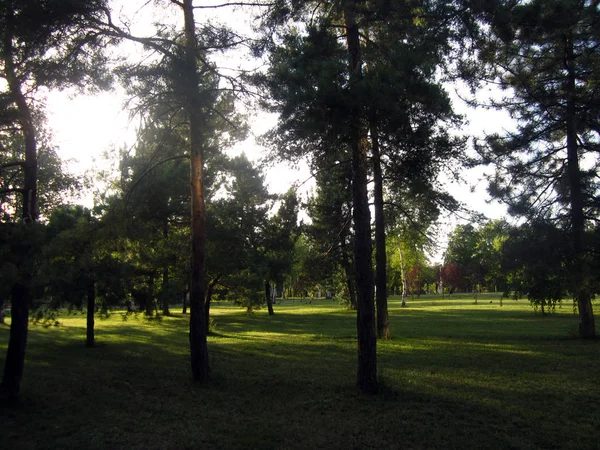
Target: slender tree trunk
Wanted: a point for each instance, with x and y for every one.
(383, 323)
(403, 276)
(91, 309)
(209, 295)
(165, 288)
(150, 305)
(165, 276)
(269, 298)
(185, 295)
(198, 342)
(367, 340)
(580, 268)
(349, 272)
(21, 291)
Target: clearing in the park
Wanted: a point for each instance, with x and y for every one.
(455, 374)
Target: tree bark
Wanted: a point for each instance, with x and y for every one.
(580, 270)
(21, 291)
(367, 341)
(269, 298)
(383, 324)
(91, 309)
(198, 342)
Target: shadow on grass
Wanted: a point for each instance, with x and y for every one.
(461, 379)
(138, 394)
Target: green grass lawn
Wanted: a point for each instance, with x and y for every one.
(454, 375)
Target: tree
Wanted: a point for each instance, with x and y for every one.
(280, 237)
(462, 251)
(42, 44)
(349, 113)
(381, 88)
(491, 239)
(535, 261)
(408, 114)
(544, 53)
(237, 221)
(185, 81)
(452, 277)
(69, 266)
(154, 204)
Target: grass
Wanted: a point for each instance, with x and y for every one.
(454, 375)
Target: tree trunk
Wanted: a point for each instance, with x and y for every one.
(198, 342)
(349, 271)
(185, 298)
(403, 276)
(367, 341)
(150, 305)
(15, 355)
(21, 291)
(580, 269)
(383, 324)
(91, 309)
(269, 298)
(209, 294)
(165, 276)
(165, 289)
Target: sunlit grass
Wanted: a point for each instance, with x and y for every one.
(454, 375)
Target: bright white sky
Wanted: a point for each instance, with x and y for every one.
(85, 127)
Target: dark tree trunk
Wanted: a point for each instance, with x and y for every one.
(349, 272)
(198, 342)
(580, 269)
(165, 276)
(149, 297)
(21, 292)
(383, 324)
(91, 308)
(269, 298)
(15, 356)
(165, 289)
(209, 296)
(367, 341)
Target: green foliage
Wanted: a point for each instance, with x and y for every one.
(17, 255)
(527, 55)
(56, 41)
(473, 257)
(535, 260)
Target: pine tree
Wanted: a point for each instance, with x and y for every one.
(544, 54)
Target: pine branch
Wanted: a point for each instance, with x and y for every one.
(12, 164)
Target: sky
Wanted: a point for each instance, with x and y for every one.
(85, 127)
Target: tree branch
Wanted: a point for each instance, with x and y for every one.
(12, 164)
